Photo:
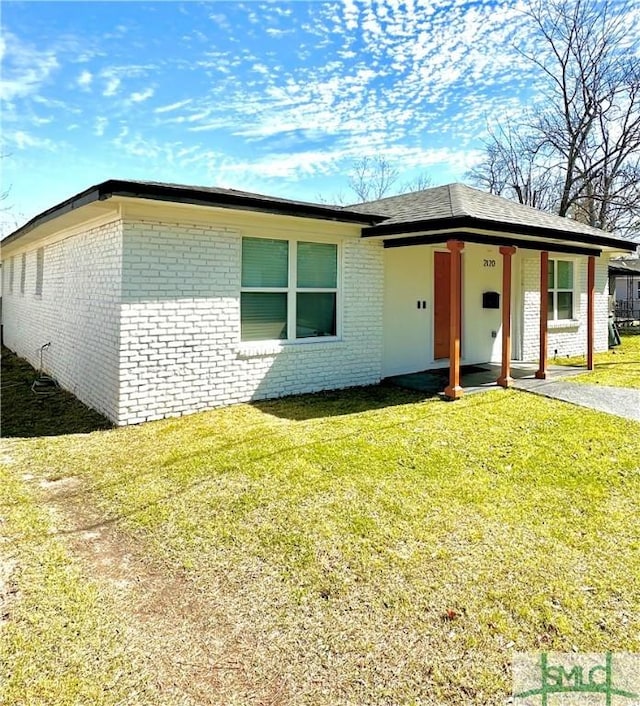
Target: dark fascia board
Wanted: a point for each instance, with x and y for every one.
(616, 269)
(462, 223)
(175, 194)
(238, 201)
(84, 198)
(482, 239)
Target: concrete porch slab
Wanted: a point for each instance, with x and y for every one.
(477, 378)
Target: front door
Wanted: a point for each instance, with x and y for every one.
(441, 307)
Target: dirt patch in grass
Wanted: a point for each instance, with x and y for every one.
(179, 626)
(8, 586)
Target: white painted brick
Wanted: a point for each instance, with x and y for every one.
(192, 332)
(567, 341)
(78, 313)
(144, 321)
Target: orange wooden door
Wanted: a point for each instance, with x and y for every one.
(441, 308)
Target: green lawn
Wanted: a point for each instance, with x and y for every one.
(364, 547)
(61, 641)
(619, 366)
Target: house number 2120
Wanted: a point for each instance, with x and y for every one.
(489, 263)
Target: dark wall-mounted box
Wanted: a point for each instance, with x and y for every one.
(490, 300)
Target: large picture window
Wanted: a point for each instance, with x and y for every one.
(560, 290)
(289, 290)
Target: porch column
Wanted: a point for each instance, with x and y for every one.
(453, 389)
(505, 379)
(591, 289)
(541, 373)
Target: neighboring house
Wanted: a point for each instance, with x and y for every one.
(625, 277)
(159, 299)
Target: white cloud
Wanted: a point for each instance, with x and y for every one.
(84, 79)
(172, 106)
(221, 122)
(25, 69)
(415, 80)
(141, 96)
(24, 140)
(113, 83)
(100, 125)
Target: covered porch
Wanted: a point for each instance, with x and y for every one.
(469, 320)
(472, 279)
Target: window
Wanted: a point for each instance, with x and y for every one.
(289, 290)
(638, 289)
(23, 272)
(12, 267)
(39, 270)
(560, 290)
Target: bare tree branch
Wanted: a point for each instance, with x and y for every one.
(584, 147)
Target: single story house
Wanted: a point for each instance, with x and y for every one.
(624, 278)
(159, 300)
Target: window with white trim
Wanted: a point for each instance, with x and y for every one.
(561, 298)
(39, 270)
(12, 269)
(289, 290)
(23, 272)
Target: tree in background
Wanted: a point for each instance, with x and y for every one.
(580, 155)
(375, 177)
(372, 178)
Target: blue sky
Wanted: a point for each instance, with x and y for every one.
(275, 97)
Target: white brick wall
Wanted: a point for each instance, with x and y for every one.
(143, 317)
(180, 326)
(78, 313)
(572, 340)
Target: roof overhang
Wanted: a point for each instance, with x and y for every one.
(483, 231)
(625, 268)
(83, 205)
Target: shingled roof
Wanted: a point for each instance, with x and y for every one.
(451, 208)
(627, 266)
(461, 206)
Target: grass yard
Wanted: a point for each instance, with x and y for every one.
(61, 640)
(619, 366)
(361, 547)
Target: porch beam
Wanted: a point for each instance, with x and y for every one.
(591, 289)
(470, 224)
(453, 390)
(505, 379)
(541, 373)
(482, 239)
